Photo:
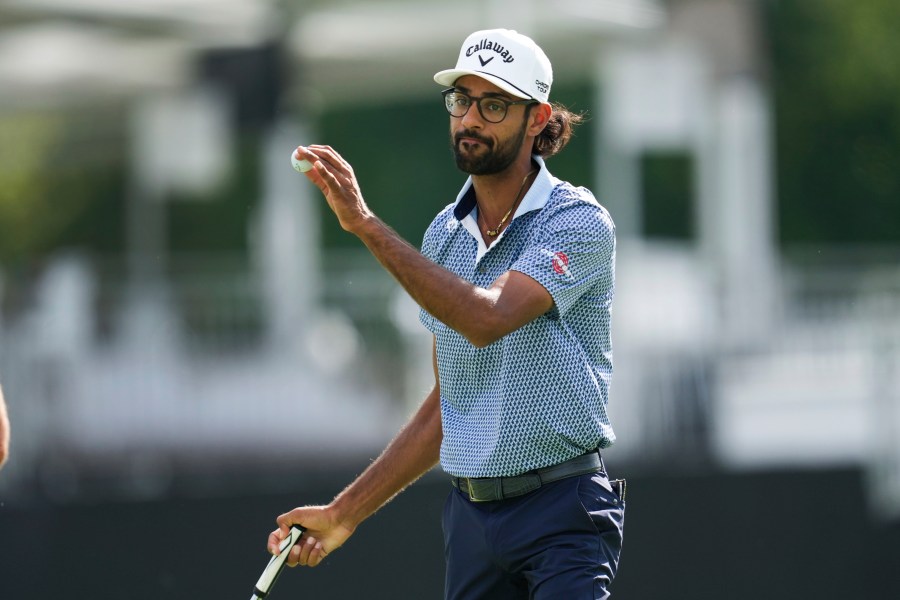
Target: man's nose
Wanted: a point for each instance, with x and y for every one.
(472, 118)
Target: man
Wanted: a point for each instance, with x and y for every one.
(515, 280)
(4, 431)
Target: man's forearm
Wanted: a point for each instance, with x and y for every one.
(481, 315)
(412, 452)
(439, 291)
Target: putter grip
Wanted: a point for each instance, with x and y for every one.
(276, 564)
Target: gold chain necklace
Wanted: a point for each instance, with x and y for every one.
(496, 231)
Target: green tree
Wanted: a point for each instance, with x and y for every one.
(836, 76)
(59, 185)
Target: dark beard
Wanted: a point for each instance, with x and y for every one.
(492, 161)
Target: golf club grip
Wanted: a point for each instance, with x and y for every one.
(276, 563)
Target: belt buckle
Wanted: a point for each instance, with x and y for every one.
(473, 491)
(476, 496)
(470, 490)
(464, 484)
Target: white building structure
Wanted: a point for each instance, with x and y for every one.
(724, 352)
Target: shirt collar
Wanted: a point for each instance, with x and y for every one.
(538, 194)
(535, 199)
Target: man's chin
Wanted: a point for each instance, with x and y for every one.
(467, 165)
(475, 163)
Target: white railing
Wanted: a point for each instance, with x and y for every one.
(194, 371)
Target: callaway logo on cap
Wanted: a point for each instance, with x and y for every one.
(509, 60)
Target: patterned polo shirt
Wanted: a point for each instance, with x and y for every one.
(537, 396)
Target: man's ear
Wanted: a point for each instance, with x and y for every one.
(540, 116)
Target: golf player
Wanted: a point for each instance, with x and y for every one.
(515, 280)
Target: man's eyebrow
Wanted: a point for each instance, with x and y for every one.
(468, 92)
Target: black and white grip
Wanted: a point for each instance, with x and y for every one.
(276, 564)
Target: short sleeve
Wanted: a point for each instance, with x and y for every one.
(572, 251)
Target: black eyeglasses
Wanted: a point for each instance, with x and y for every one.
(492, 109)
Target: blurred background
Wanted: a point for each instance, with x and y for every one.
(190, 345)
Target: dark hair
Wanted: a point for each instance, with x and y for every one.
(558, 131)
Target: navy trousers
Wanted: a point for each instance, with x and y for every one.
(562, 540)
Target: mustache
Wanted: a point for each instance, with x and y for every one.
(472, 135)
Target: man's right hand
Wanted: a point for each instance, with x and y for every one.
(324, 534)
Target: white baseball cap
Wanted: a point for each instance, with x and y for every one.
(508, 59)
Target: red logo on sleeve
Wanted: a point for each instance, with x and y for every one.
(561, 263)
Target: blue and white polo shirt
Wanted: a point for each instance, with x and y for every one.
(537, 396)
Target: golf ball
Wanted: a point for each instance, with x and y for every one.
(301, 165)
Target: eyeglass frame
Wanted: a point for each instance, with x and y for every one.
(476, 100)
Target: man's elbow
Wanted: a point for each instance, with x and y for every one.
(481, 341)
(485, 336)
